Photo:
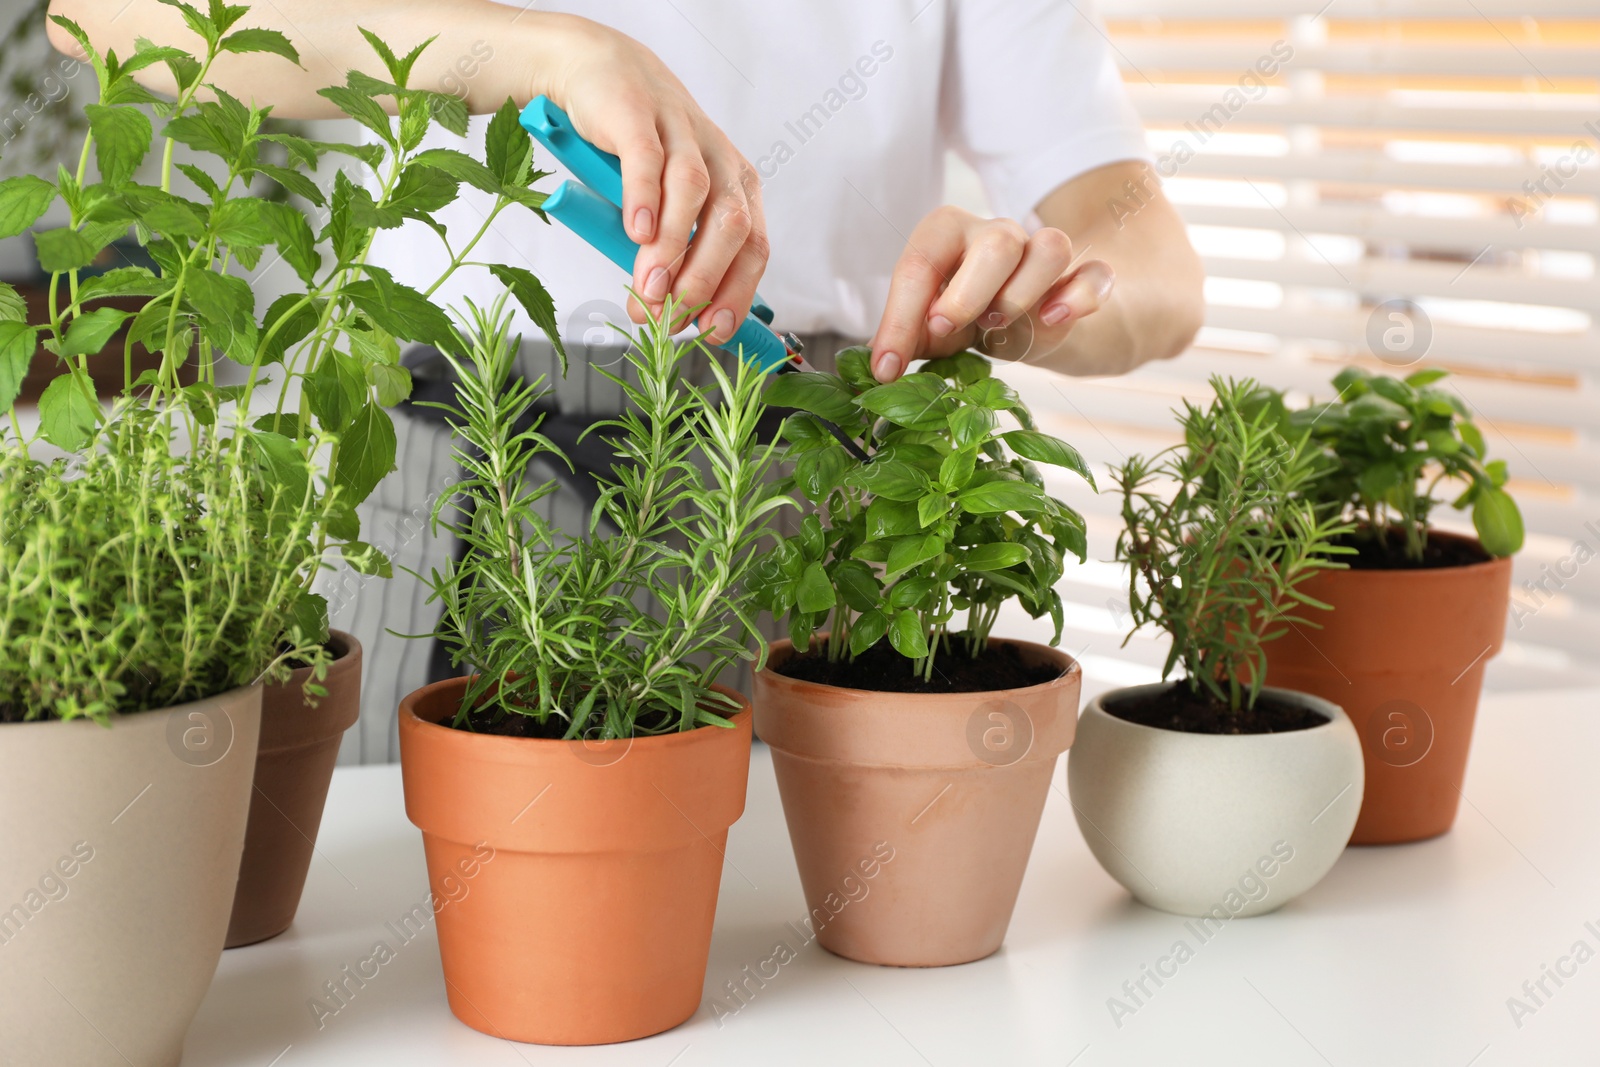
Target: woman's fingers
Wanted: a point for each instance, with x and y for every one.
(930, 257)
(1080, 293)
(686, 181)
(642, 161)
(730, 303)
(1045, 259)
(991, 256)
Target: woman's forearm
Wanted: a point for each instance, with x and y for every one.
(483, 51)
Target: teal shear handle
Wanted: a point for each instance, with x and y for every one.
(591, 207)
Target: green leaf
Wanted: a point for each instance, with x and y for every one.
(121, 138)
(67, 415)
(994, 394)
(855, 367)
(123, 281)
(393, 383)
(1498, 521)
(888, 478)
(309, 615)
(994, 556)
(1376, 480)
(243, 220)
(856, 583)
(296, 327)
(891, 518)
(259, 40)
(819, 394)
(22, 200)
(970, 426)
(867, 630)
(817, 472)
(12, 307)
(227, 311)
(366, 454)
(815, 592)
(994, 497)
(507, 147)
(930, 509)
(908, 636)
(364, 559)
(460, 166)
(531, 294)
(282, 465)
(918, 401)
(400, 309)
(91, 330)
(337, 390)
(965, 368)
(64, 250)
(1427, 376)
(956, 468)
(909, 592)
(422, 191)
(18, 343)
(1042, 448)
(288, 229)
(909, 552)
(361, 107)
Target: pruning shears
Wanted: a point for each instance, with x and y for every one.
(590, 205)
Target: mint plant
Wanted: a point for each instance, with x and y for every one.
(948, 516)
(604, 637)
(331, 351)
(1387, 446)
(1219, 537)
(170, 553)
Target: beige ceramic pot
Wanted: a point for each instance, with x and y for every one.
(912, 814)
(294, 766)
(117, 872)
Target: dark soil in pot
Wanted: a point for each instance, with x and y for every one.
(1388, 553)
(882, 669)
(554, 728)
(1176, 708)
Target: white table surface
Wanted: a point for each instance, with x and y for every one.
(1403, 955)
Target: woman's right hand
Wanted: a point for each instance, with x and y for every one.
(680, 173)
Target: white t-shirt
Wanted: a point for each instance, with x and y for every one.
(846, 108)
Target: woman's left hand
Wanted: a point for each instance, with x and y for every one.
(962, 278)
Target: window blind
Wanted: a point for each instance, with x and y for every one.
(1390, 183)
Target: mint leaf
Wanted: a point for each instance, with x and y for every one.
(536, 301)
(257, 40)
(67, 415)
(366, 454)
(64, 250)
(22, 200)
(400, 309)
(91, 330)
(18, 343)
(121, 139)
(507, 147)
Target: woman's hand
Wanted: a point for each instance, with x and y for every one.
(964, 279)
(680, 173)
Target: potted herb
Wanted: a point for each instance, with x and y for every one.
(891, 728)
(590, 749)
(1420, 612)
(333, 348)
(1215, 795)
(163, 565)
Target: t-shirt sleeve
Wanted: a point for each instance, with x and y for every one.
(1032, 97)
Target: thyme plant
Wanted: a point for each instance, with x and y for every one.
(1387, 446)
(949, 515)
(1219, 537)
(605, 637)
(170, 554)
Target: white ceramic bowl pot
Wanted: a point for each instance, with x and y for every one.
(1222, 825)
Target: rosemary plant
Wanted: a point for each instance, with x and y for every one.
(950, 515)
(1218, 554)
(605, 637)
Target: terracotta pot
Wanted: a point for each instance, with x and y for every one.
(912, 814)
(574, 883)
(1218, 825)
(294, 766)
(1403, 652)
(117, 868)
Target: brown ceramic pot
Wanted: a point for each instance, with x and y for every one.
(912, 814)
(574, 883)
(294, 765)
(1403, 652)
